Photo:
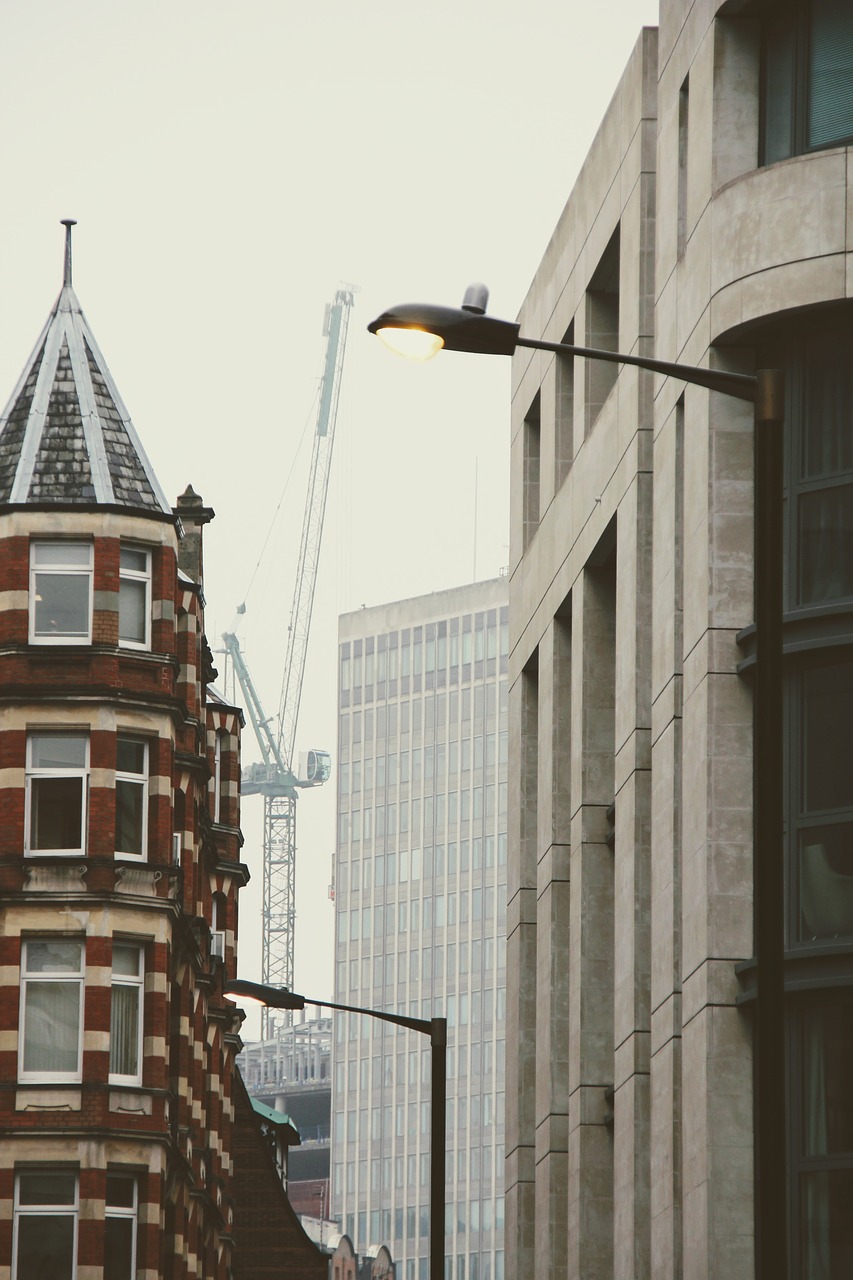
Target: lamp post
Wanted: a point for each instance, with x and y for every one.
(436, 1029)
(420, 331)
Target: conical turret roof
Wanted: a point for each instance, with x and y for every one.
(65, 435)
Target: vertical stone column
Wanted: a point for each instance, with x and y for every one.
(553, 959)
(521, 974)
(591, 926)
(631, 881)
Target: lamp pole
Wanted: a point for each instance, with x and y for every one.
(420, 331)
(436, 1029)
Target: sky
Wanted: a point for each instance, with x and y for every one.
(230, 165)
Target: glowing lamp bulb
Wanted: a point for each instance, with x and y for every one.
(414, 344)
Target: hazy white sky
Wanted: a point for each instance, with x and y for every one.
(229, 165)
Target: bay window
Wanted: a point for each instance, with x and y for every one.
(50, 1037)
(60, 592)
(57, 793)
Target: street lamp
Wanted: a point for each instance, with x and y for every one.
(436, 1029)
(422, 330)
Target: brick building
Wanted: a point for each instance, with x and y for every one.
(120, 867)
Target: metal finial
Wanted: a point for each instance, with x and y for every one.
(67, 223)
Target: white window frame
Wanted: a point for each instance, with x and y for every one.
(39, 977)
(71, 1210)
(134, 779)
(124, 1212)
(219, 743)
(217, 931)
(137, 982)
(58, 567)
(34, 773)
(128, 574)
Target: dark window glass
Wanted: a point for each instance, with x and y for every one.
(807, 77)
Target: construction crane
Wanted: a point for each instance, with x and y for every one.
(279, 777)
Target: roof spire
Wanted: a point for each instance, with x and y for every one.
(67, 223)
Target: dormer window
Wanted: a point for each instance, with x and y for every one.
(60, 592)
(134, 599)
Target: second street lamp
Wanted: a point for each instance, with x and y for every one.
(421, 331)
(436, 1029)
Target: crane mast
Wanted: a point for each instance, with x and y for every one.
(280, 776)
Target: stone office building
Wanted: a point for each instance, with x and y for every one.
(710, 224)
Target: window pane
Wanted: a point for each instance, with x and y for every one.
(131, 610)
(133, 558)
(126, 960)
(826, 881)
(124, 1031)
(825, 549)
(778, 71)
(54, 957)
(129, 804)
(62, 604)
(46, 1186)
(46, 1247)
(827, 1225)
(827, 760)
(57, 751)
(118, 1258)
(130, 755)
(52, 1027)
(62, 553)
(827, 1072)
(830, 72)
(121, 1191)
(57, 813)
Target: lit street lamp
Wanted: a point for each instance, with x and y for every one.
(420, 331)
(436, 1029)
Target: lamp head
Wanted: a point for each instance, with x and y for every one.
(269, 997)
(420, 330)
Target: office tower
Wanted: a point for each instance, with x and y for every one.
(420, 902)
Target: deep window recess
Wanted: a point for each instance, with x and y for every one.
(57, 784)
(120, 1212)
(46, 1211)
(60, 592)
(51, 1010)
(807, 77)
(126, 1014)
(131, 797)
(532, 464)
(602, 329)
(134, 597)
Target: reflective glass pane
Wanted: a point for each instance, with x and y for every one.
(54, 957)
(62, 604)
(78, 554)
(134, 559)
(46, 1186)
(57, 813)
(826, 882)
(130, 755)
(126, 960)
(57, 751)
(827, 430)
(830, 72)
(52, 1027)
(129, 827)
(132, 611)
(46, 1246)
(118, 1257)
(121, 1191)
(825, 551)
(827, 1101)
(827, 762)
(124, 1031)
(827, 1225)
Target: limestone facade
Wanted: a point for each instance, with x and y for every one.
(696, 232)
